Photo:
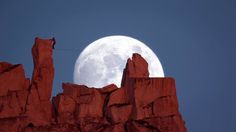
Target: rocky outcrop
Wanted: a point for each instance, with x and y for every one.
(83, 106)
(13, 90)
(39, 107)
(25, 103)
(141, 104)
(137, 67)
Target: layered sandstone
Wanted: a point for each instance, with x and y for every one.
(141, 104)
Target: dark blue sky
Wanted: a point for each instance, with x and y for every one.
(195, 41)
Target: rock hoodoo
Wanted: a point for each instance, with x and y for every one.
(141, 104)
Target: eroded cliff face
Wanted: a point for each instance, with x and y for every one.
(141, 104)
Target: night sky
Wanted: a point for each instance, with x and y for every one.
(195, 41)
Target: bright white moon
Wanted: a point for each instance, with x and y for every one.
(102, 62)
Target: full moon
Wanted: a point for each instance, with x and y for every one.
(102, 62)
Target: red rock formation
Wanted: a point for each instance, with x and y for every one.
(13, 90)
(141, 104)
(39, 108)
(137, 67)
(24, 103)
(12, 78)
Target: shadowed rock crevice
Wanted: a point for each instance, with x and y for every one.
(104, 109)
(141, 104)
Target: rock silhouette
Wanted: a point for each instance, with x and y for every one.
(141, 104)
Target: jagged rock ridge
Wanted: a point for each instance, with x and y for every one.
(141, 104)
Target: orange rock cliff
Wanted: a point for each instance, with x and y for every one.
(142, 104)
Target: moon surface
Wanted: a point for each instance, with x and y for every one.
(102, 62)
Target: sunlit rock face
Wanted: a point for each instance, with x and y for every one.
(140, 104)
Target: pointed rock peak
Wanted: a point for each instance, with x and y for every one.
(135, 67)
(138, 66)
